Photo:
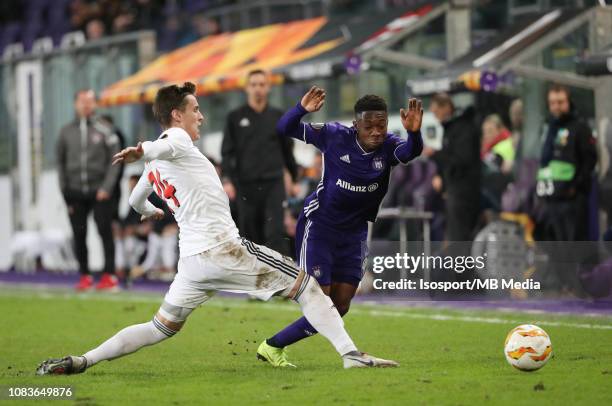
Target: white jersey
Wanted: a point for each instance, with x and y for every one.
(187, 181)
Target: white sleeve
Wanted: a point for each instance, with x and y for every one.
(158, 149)
(138, 197)
(172, 144)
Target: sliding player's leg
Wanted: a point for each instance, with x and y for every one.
(321, 313)
(314, 250)
(337, 267)
(183, 296)
(273, 274)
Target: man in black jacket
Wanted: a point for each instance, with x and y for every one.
(253, 159)
(85, 149)
(566, 167)
(459, 164)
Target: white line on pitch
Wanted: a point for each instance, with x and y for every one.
(240, 304)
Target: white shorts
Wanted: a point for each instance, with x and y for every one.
(237, 266)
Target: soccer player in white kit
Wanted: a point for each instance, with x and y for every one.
(213, 256)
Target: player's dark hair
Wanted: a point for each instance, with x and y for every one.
(370, 102)
(169, 98)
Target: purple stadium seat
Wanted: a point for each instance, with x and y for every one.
(194, 6)
(31, 31)
(58, 14)
(35, 10)
(9, 34)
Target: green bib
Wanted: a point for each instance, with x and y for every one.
(557, 171)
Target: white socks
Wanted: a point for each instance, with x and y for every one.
(320, 311)
(129, 340)
(316, 306)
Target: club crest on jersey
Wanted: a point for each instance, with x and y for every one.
(378, 163)
(245, 122)
(316, 271)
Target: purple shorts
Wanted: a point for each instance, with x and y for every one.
(328, 254)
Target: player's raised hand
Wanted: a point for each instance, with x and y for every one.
(314, 99)
(413, 117)
(129, 155)
(158, 215)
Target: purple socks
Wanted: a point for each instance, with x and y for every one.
(293, 333)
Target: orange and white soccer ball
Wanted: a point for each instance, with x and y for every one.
(527, 347)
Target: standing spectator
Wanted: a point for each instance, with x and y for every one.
(566, 166)
(95, 29)
(85, 149)
(497, 155)
(255, 181)
(458, 162)
(496, 146)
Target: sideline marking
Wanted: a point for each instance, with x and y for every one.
(220, 302)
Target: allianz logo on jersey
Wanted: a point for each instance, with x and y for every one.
(356, 188)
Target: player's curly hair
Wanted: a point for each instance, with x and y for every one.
(169, 98)
(370, 102)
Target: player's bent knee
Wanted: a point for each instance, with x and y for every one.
(169, 328)
(308, 286)
(343, 308)
(170, 318)
(312, 290)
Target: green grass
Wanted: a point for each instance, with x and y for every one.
(455, 359)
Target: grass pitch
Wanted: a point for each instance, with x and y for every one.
(447, 357)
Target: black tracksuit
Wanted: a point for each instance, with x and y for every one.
(570, 144)
(564, 182)
(459, 164)
(253, 158)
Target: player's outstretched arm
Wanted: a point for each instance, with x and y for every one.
(129, 155)
(151, 150)
(412, 119)
(290, 124)
(313, 100)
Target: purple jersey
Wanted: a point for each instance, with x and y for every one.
(354, 181)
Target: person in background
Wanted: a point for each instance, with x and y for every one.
(95, 29)
(459, 165)
(253, 181)
(496, 145)
(567, 161)
(497, 155)
(87, 179)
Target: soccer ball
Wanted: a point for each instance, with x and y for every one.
(527, 347)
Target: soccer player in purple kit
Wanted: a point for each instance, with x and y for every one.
(332, 228)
